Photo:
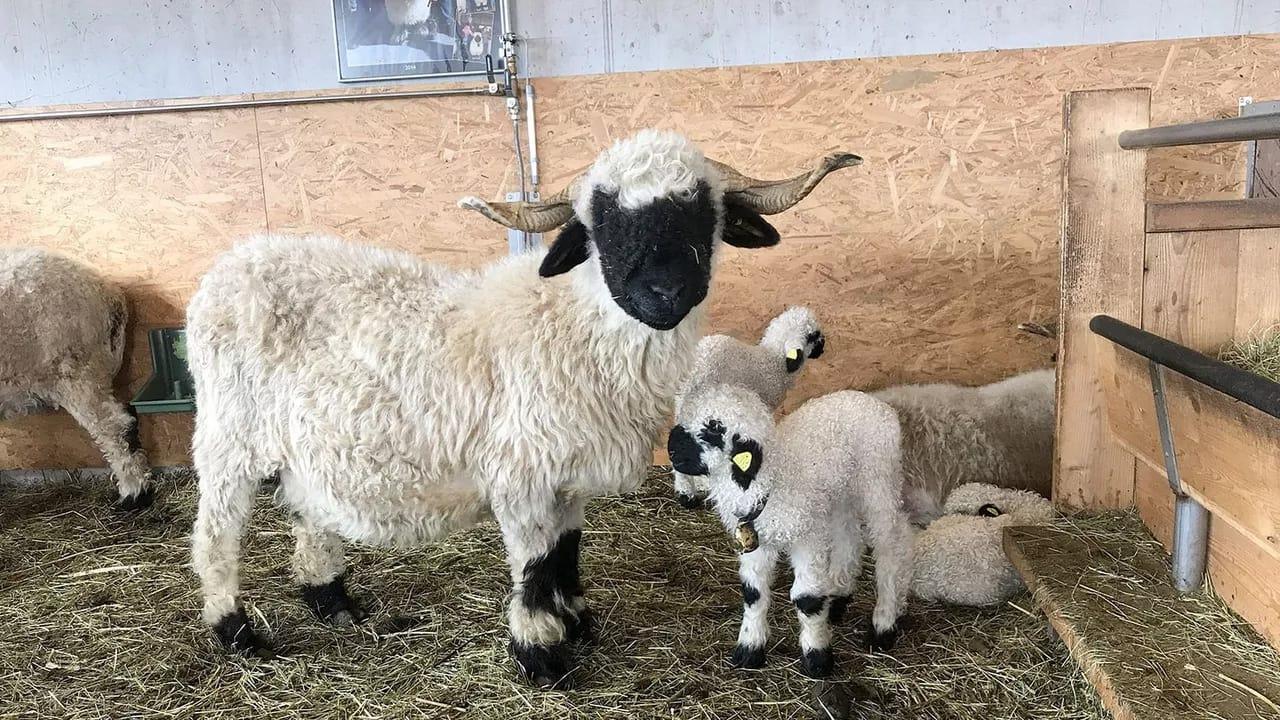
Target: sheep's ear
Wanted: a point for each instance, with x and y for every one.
(818, 341)
(747, 456)
(746, 228)
(568, 251)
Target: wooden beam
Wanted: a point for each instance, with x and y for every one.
(1213, 215)
(1103, 239)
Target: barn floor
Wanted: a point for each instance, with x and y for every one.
(99, 617)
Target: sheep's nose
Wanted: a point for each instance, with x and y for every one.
(666, 289)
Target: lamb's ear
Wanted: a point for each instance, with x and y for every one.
(747, 455)
(746, 228)
(568, 251)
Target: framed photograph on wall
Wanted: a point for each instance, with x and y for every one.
(393, 39)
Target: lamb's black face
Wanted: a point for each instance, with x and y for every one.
(656, 259)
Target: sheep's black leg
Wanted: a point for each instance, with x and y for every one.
(235, 632)
(319, 566)
(577, 616)
(542, 545)
(755, 569)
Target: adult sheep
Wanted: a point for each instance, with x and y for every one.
(63, 330)
(400, 400)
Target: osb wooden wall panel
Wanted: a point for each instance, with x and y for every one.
(921, 261)
(148, 201)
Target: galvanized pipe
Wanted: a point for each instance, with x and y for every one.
(1190, 543)
(1190, 519)
(1237, 129)
(245, 103)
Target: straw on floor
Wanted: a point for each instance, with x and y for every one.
(99, 618)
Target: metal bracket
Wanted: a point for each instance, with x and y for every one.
(1166, 431)
(1190, 518)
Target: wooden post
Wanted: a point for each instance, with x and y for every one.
(1103, 244)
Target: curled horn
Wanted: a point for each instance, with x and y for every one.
(531, 216)
(769, 197)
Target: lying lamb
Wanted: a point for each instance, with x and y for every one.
(64, 335)
(1001, 434)
(768, 369)
(400, 400)
(960, 559)
(806, 487)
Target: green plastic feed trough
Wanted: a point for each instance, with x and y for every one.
(170, 388)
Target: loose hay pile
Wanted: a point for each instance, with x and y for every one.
(100, 619)
(1259, 353)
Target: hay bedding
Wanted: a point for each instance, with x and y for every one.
(99, 618)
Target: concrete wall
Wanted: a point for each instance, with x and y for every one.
(67, 51)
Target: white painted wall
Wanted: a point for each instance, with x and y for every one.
(63, 51)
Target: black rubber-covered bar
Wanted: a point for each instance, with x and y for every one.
(1252, 390)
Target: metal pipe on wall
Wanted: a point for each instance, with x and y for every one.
(246, 103)
(1237, 129)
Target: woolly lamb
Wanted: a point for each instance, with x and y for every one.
(807, 488)
(960, 559)
(768, 369)
(1001, 434)
(64, 334)
(400, 400)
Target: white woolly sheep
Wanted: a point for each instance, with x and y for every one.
(768, 369)
(400, 400)
(809, 487)
(1000, 434)
(64, 334)
(960, 559)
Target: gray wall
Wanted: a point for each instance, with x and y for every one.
(64, 51)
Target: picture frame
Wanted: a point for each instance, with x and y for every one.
(401, 39)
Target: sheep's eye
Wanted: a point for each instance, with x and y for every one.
(989, 510)
(712, 434)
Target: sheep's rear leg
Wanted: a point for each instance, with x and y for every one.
(812, 594)
(115, 433)
(892, 538)
(755, 570)
(319, 567)
(846, 568)
(226, 499)
(542, 539)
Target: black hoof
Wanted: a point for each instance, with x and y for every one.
(747, 657)
(237, 635)
(689, 502)
(139, 501)
(817, 663)
(544, 666)
(331, 603)
(836, 611)
(582, 629)
(878, 641)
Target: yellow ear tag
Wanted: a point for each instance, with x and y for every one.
(793, 354)
(743, 461)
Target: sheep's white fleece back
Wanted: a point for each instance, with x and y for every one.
(401, 399)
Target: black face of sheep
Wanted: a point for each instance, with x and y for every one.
(649, 211)
(655, 259)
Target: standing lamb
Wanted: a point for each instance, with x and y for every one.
(809, 487)
(1000, 434)
(768, 369)
(400, 400)
(64, 335)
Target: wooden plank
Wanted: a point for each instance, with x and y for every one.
(1103, 236)
(1202, 215)
(1258, 282)
(1243, 574)
(1189, 289)
(1228, 453)
(1151, 653)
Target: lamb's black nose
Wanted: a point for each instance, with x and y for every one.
(666, 289)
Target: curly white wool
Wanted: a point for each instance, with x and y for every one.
(1000, 434)
(649, 165)
(959, 558)
(761, 368)
(64, 336)
(823, 476)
